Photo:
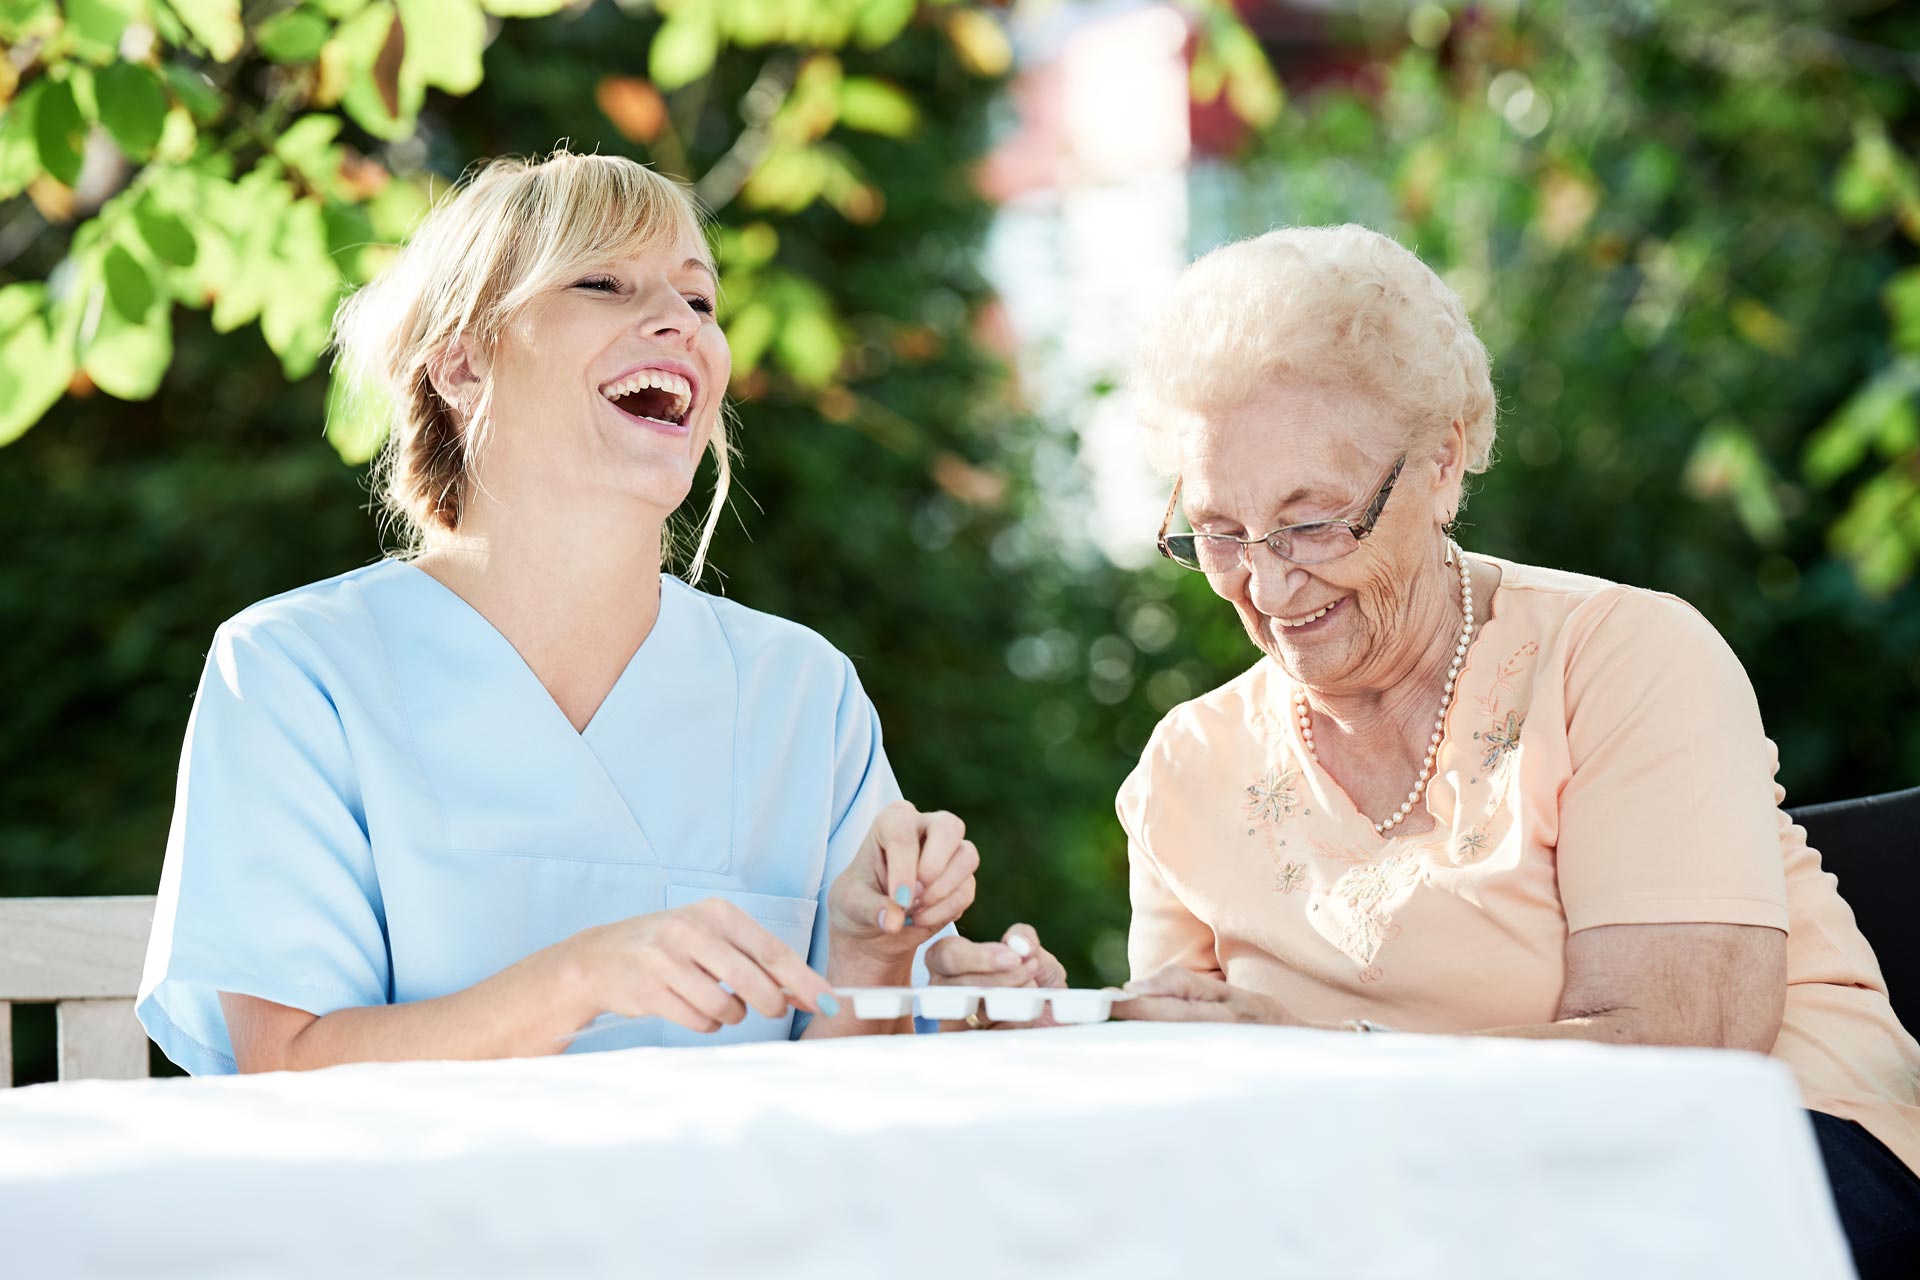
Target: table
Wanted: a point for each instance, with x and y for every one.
(1117, 1150)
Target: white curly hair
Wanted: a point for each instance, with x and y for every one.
(1343, 306)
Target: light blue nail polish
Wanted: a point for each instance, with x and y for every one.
(903, 895)
(829, 1007)
(907, 923)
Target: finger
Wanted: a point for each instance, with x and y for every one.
(938, 915)
(781, 963)
(943, 880)
(753, 984)
(957, 957)
(1182, 983)
(671, 1007)
(1023, 939)
(991, 978)
(896, 832)
(1049, 971)
(941, 835)
(699, 990)
(1167, 1009)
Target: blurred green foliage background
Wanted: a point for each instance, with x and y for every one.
(1687, 231)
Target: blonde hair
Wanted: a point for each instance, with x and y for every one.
(1344, 306)
(511, 229)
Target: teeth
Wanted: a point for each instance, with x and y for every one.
(657, 380)
(1312, 617)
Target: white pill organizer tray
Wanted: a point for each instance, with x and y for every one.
(1004, 1004)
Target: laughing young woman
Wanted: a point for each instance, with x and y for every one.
(460, 804)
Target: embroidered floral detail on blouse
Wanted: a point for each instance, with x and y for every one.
(1501, 741)
(1271, 798)
(1341, 852)
(1472, 846)
(1289, 878)
(1356, 914)
(1503, 677)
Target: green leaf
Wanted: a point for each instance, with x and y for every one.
(307, 145)
(523, 8)
(19, 140)
(1880, 415)
(35, 366)
(179, 137)
(167, 238)
(298, 310)
(19, 303)
(251, 216)
(809, 346)
(196, 91)
(358, 419)
(214, 23)
(338, 9)
(879, 22)
(874, 106)
(294, 36)
(129, 360)
(61, 132)
(129, 287)
(97, 25)
(133, 107)
(22, 19)
(684, 47)
(378, 98)
(1902, 296)
(450, 36)
(750, 332)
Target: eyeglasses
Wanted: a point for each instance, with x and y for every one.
(1314, 542)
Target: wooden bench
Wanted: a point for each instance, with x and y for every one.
(83, 956)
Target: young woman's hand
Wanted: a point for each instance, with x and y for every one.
(702, 966)
(912, 877)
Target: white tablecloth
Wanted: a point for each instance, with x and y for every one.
(1118, 1150)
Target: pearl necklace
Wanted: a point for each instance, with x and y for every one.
(1446, 699)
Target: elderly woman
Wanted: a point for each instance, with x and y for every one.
(1459, 794)
(462, 802)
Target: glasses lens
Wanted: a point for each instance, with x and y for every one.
(1314, 543)
(1180, 550)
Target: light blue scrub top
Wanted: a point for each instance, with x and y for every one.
(379, 802)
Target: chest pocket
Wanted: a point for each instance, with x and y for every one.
(788, 919)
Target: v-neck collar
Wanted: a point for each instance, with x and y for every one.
(634, 659)
(650, 778)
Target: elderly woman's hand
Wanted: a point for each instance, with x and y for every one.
(1177, 994)
(912, 877)
(1017, 960)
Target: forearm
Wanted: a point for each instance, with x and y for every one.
(522, 1011)
(1672, 1029)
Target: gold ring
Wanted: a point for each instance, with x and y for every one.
(978, 1020)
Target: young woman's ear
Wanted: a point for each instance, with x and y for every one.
(458, 374)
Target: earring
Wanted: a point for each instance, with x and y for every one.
(1448, 556)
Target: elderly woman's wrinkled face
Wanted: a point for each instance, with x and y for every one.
(1299, 452)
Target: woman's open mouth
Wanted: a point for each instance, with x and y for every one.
(658, 399)
(1310, 621)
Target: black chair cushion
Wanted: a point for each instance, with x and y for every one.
(1872, 844)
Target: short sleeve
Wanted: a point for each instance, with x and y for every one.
(1668, 815)
(863, 785)
(268, 888)
(1162, 930)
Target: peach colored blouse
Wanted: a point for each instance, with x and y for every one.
(1604, 763)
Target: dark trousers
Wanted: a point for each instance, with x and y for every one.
(1878, 1198)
